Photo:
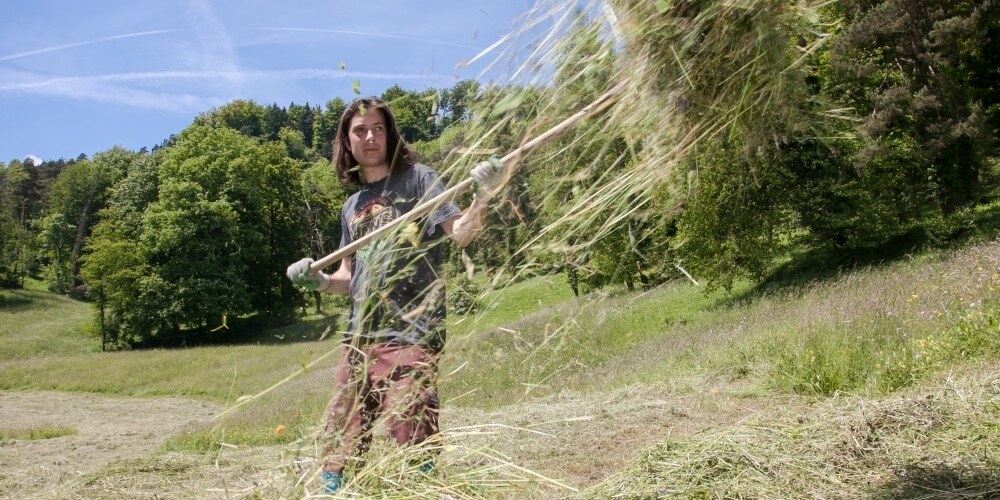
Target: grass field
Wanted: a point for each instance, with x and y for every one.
(854, 355)
(37, 323)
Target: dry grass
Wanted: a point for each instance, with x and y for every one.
(939, 441)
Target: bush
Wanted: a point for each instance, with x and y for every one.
(463, 295)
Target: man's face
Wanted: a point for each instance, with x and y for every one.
(367, 138)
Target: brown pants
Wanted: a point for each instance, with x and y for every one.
(394, 382)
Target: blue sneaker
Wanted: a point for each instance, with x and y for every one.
(331, 482)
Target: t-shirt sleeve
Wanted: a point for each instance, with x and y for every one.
(432, 186)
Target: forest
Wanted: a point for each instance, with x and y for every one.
(880, 139)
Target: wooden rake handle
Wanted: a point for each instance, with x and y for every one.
(512, 159)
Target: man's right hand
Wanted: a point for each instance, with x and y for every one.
(490, 176)
(302, 275)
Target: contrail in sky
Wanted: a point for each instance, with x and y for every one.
(292, 74)
(89, 42)
(218, 52)
(101, 88)
(379, 35)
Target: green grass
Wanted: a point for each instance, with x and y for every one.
(36, 323)
(502, 306)
(219, 373)
(879, 359)
(874, 330)
(559, 346)
(35, 433)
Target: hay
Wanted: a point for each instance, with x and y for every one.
(695, 72)
(908, 446)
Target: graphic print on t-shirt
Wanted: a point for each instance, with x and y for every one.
(374, 214)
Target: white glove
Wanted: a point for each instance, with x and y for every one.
(302, 275)
(490, 176)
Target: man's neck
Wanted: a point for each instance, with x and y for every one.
(374, 174)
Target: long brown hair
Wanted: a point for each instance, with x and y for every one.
(401, 157)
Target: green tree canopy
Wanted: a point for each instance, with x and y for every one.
(211, 237)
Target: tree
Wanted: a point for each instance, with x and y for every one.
(275, 119)
(13, 230)
(323, 196)
(114, 266)
(294, 143)
(208, 233)
(301, 119)
(243, 116)
(325, 127)
(918, 73)
(728, 226)
(75, 197)
(455, 104)
(261, 185)
(413, 112)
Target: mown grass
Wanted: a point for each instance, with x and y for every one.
(938, 441)
(221, 373)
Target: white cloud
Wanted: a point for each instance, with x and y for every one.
(34, 159)
(96, 89)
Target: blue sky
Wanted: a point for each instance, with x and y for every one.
(82, 77)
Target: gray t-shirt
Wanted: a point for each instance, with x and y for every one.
(397, 285)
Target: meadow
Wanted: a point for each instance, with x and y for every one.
(880, 381)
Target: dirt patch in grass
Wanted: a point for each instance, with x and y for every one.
(110, 429)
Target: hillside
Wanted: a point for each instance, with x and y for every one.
(878, 382)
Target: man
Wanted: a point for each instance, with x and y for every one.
(387, 365)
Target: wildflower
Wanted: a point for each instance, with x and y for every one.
(279, 430)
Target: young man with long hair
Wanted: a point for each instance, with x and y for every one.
(387, 366)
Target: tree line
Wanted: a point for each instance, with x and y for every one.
(178, 240)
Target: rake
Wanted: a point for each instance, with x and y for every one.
(513, 159)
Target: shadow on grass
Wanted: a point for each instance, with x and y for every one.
(255, 331)
(809, 266)
(12, 300)
(19, 300)
(943, 481)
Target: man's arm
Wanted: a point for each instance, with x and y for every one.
(302, 274)
(340, 280)
(464, 228)
(489, 176)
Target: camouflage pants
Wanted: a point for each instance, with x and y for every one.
(388, 381)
